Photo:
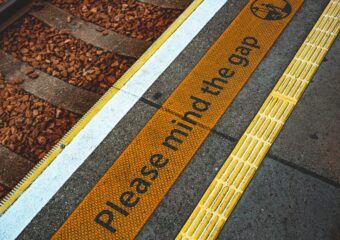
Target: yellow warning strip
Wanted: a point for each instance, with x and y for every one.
(231, 181)
(58, 148)
(125, 197)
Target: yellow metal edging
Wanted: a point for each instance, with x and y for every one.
(223, 194)
(58, 148)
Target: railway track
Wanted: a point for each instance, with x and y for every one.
(57, 58)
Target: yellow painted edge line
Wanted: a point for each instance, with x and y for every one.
(58, 148)
(226, 189)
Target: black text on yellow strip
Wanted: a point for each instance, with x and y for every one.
(226, 189)
(122, 201)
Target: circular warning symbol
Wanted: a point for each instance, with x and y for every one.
(271, 9)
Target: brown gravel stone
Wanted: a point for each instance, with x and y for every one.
(33, 75)
(129, 17)
(29, 126)
(62, 56)
(19, 80)
(29, 71)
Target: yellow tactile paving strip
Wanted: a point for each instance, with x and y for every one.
(125, 197)
(231, 181)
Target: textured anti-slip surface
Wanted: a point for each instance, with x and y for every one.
(226, 189)
(122, 201)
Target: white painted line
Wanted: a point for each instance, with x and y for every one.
(22, 211)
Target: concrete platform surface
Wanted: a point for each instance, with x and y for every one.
(295, 193)
(283, 203)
